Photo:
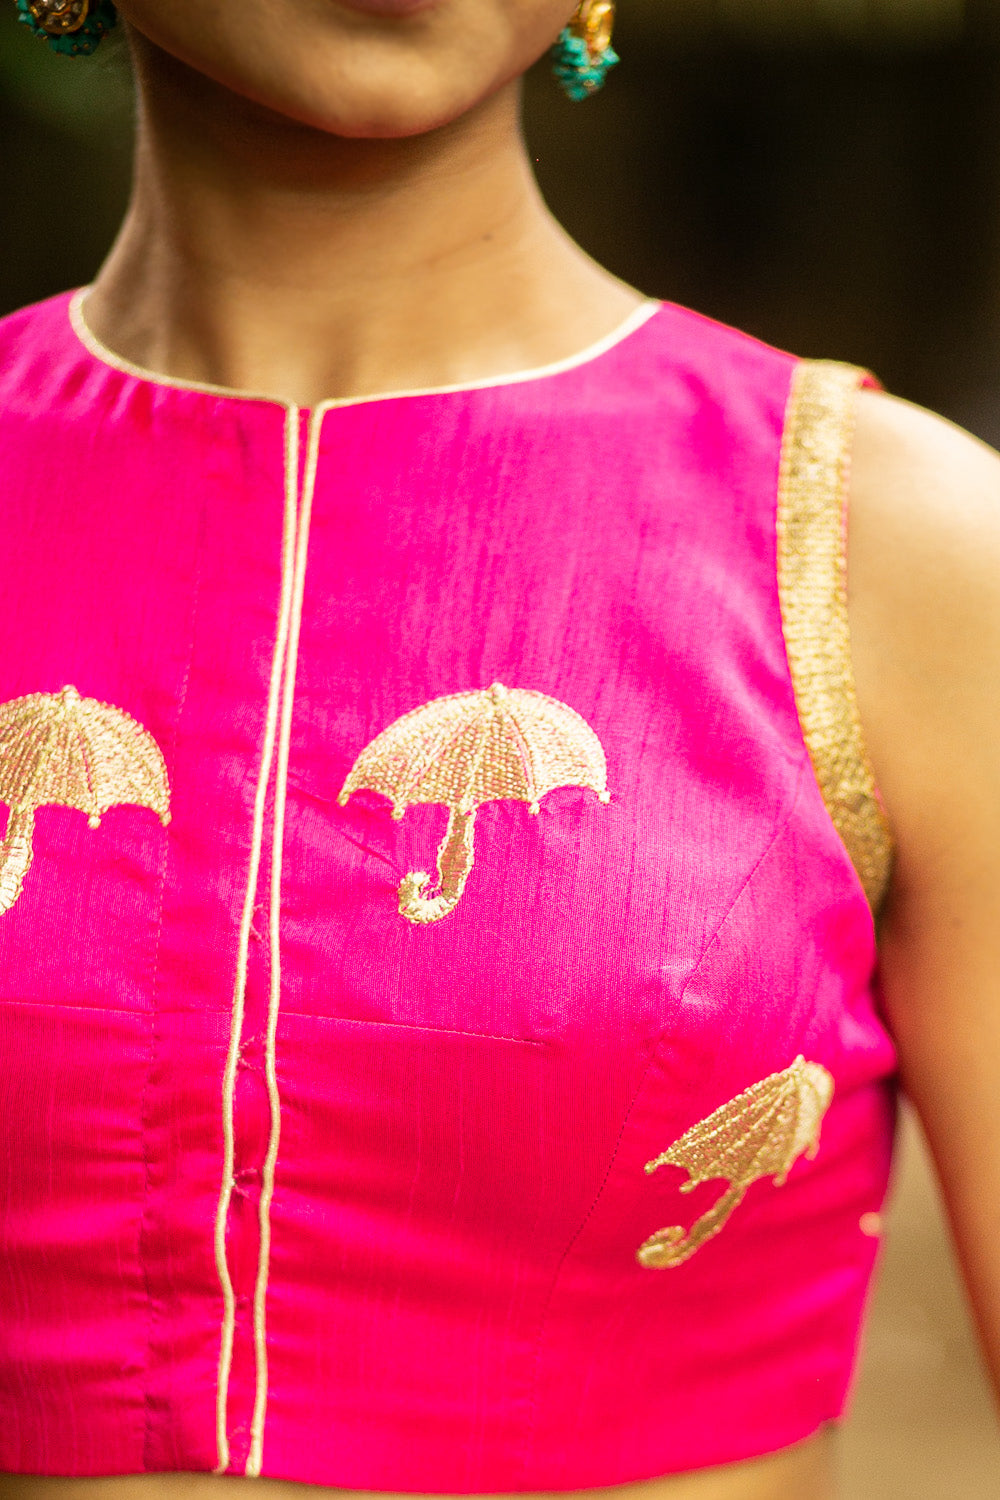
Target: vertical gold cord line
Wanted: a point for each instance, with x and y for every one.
(255, 1456)
(239, 988)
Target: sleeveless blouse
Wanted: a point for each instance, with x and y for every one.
(439, 1018)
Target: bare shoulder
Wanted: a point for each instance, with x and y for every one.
(924, 600)
(909, 460)
(928, 488)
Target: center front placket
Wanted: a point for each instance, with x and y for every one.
(262, 904)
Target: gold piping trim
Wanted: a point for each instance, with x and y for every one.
(239, 989)
(107, 356)
(255, 1455)
(812, 588)
(635, 320)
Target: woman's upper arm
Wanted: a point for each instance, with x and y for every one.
(924, 603)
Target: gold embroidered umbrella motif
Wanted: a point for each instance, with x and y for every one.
(761, 1133)
(58, 749)
(466, 749)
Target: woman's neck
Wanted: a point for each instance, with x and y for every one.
(260, 254)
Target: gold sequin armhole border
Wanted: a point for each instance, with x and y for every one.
(812, 589)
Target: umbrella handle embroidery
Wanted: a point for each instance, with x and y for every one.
(671, 1247)
(463, 751)
(761, 1133)
(454, 862)
(15, 854)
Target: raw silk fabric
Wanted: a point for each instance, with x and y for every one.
(453, 1300)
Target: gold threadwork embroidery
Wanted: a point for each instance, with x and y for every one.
(760, 1133)
(812, 586)
(466, 749)
(58, 749)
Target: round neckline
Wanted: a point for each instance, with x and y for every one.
(636, 319)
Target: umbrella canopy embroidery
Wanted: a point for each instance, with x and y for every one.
(61, 750)
(501, 744)
(760, 1133)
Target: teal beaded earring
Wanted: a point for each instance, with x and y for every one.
(73, 27)
(583, 55)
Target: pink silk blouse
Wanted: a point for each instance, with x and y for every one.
(439, 1023)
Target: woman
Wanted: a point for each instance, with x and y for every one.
(353, 488)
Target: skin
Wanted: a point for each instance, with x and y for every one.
(803, 1473)
(924, 565)
(330, 204)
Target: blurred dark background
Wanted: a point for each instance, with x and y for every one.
(822, 173)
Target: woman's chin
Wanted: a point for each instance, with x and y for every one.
(380, 110)
(357, 70)
(399, 9)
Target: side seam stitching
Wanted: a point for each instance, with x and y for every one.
(696, 967)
